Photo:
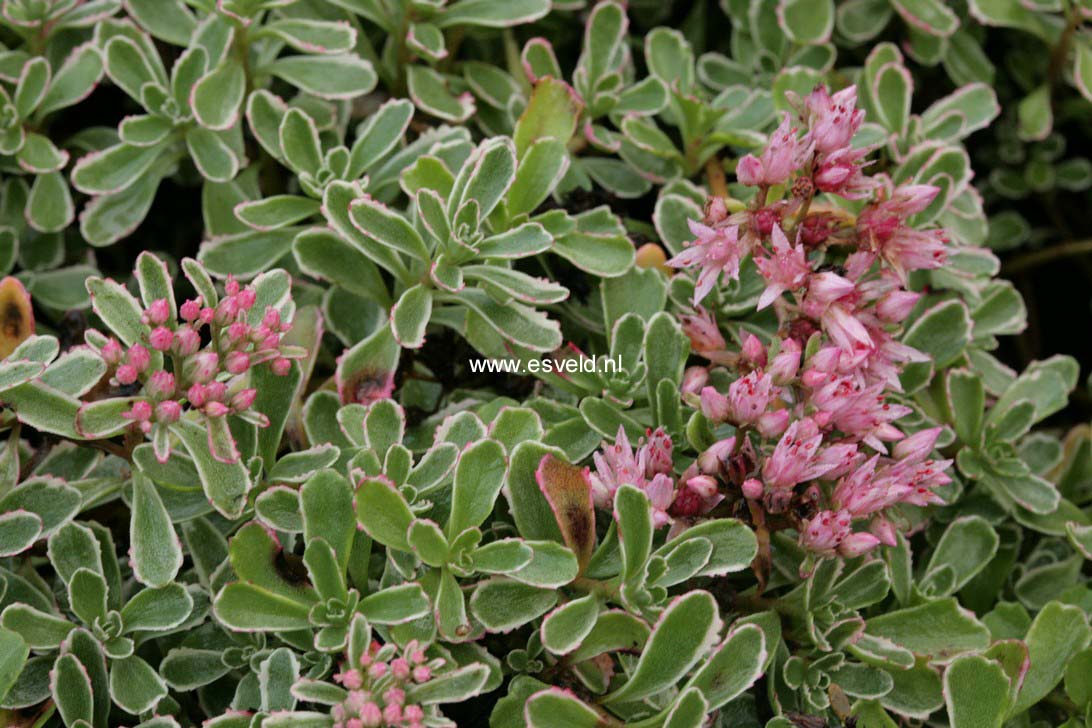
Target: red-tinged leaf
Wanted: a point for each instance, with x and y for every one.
(567, 488)
(16, 315)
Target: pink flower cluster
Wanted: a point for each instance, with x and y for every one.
(838, 284)
(650, 469)
(212, 350)
(377, 688)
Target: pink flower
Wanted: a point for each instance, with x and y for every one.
(786, 362)
(658, 453)
(112, 352)
(126, 374)
(833, 119)
(882, 229)
(186, 341)
(160, 385)
(202, 367)
(648, 468)
(168, 411)
(281, 366)
(785, 153)
(785, 270)
(824, 531)
(694, 379)
(716, 251)
(701, 328)
(841, 173)
(798, 458)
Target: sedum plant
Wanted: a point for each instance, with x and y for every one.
(535, 365)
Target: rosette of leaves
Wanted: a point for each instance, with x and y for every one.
(40, 89)
(195, 111)
(260, 231)
(704, 123)
(86, 657)
(454, 263)
(37, 22)
(604, 91)
(430, 33)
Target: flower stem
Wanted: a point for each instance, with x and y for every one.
(1029, 261)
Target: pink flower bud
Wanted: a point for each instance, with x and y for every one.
(126, 374)
(238, 362)
(377, 670)
(112, 352)
(157, 313)
(202, 367)
(272, 318)
(752, 488)
(716, 210)
(392, 714)
(896, 306)
(168, 411)
(753, 351)
(281, 366)
(714, 405)
(351, 679)
(413, 713)
(191, 309)
(421, 674)
(247, 297)
(244, 400)
(395, 695)
(785, 364)
(140, 411)
(216, 409)
(400, 668)
(186, 341)
(231, 286)
(749, 171)
(856, 544)
(139, 357)
(226, 311)
(161, 338)
(371, 715)
(238, 331)
(197, 395)
(694, 379)
(884, 531)
(160, 384)
(207, 315)
(216, 390)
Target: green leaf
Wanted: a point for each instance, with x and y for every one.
(379, 135)
(216, 98)
(383, 513)
(113, 169)
(450, 687)
(225, 484)
(1058, 633)
(135, 686)
(485, 177)
(966, 547)
(31, 89)
(558, 708)
(156, 550)
(501, 605)
(74, 80)
(18, 531)
(633, 513)
(806, 22)
(157, 609)
(552, 113)
(1034, 115)
(13, 655)
(967, 403)
(430, 93)
(70, 686)
(40, 631)
(938, 629)
(247, 607)
(213, 157)
(540, 169)
(976, 691)
(313, 36)
(328, 77)
(515, 322)
(932, 17)
(410, 317)
(489, 14)
(566, 627)
(479, 477)
(377, 222)
(682, 637)
(733, 667)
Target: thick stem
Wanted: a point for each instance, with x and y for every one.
(718, 182)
